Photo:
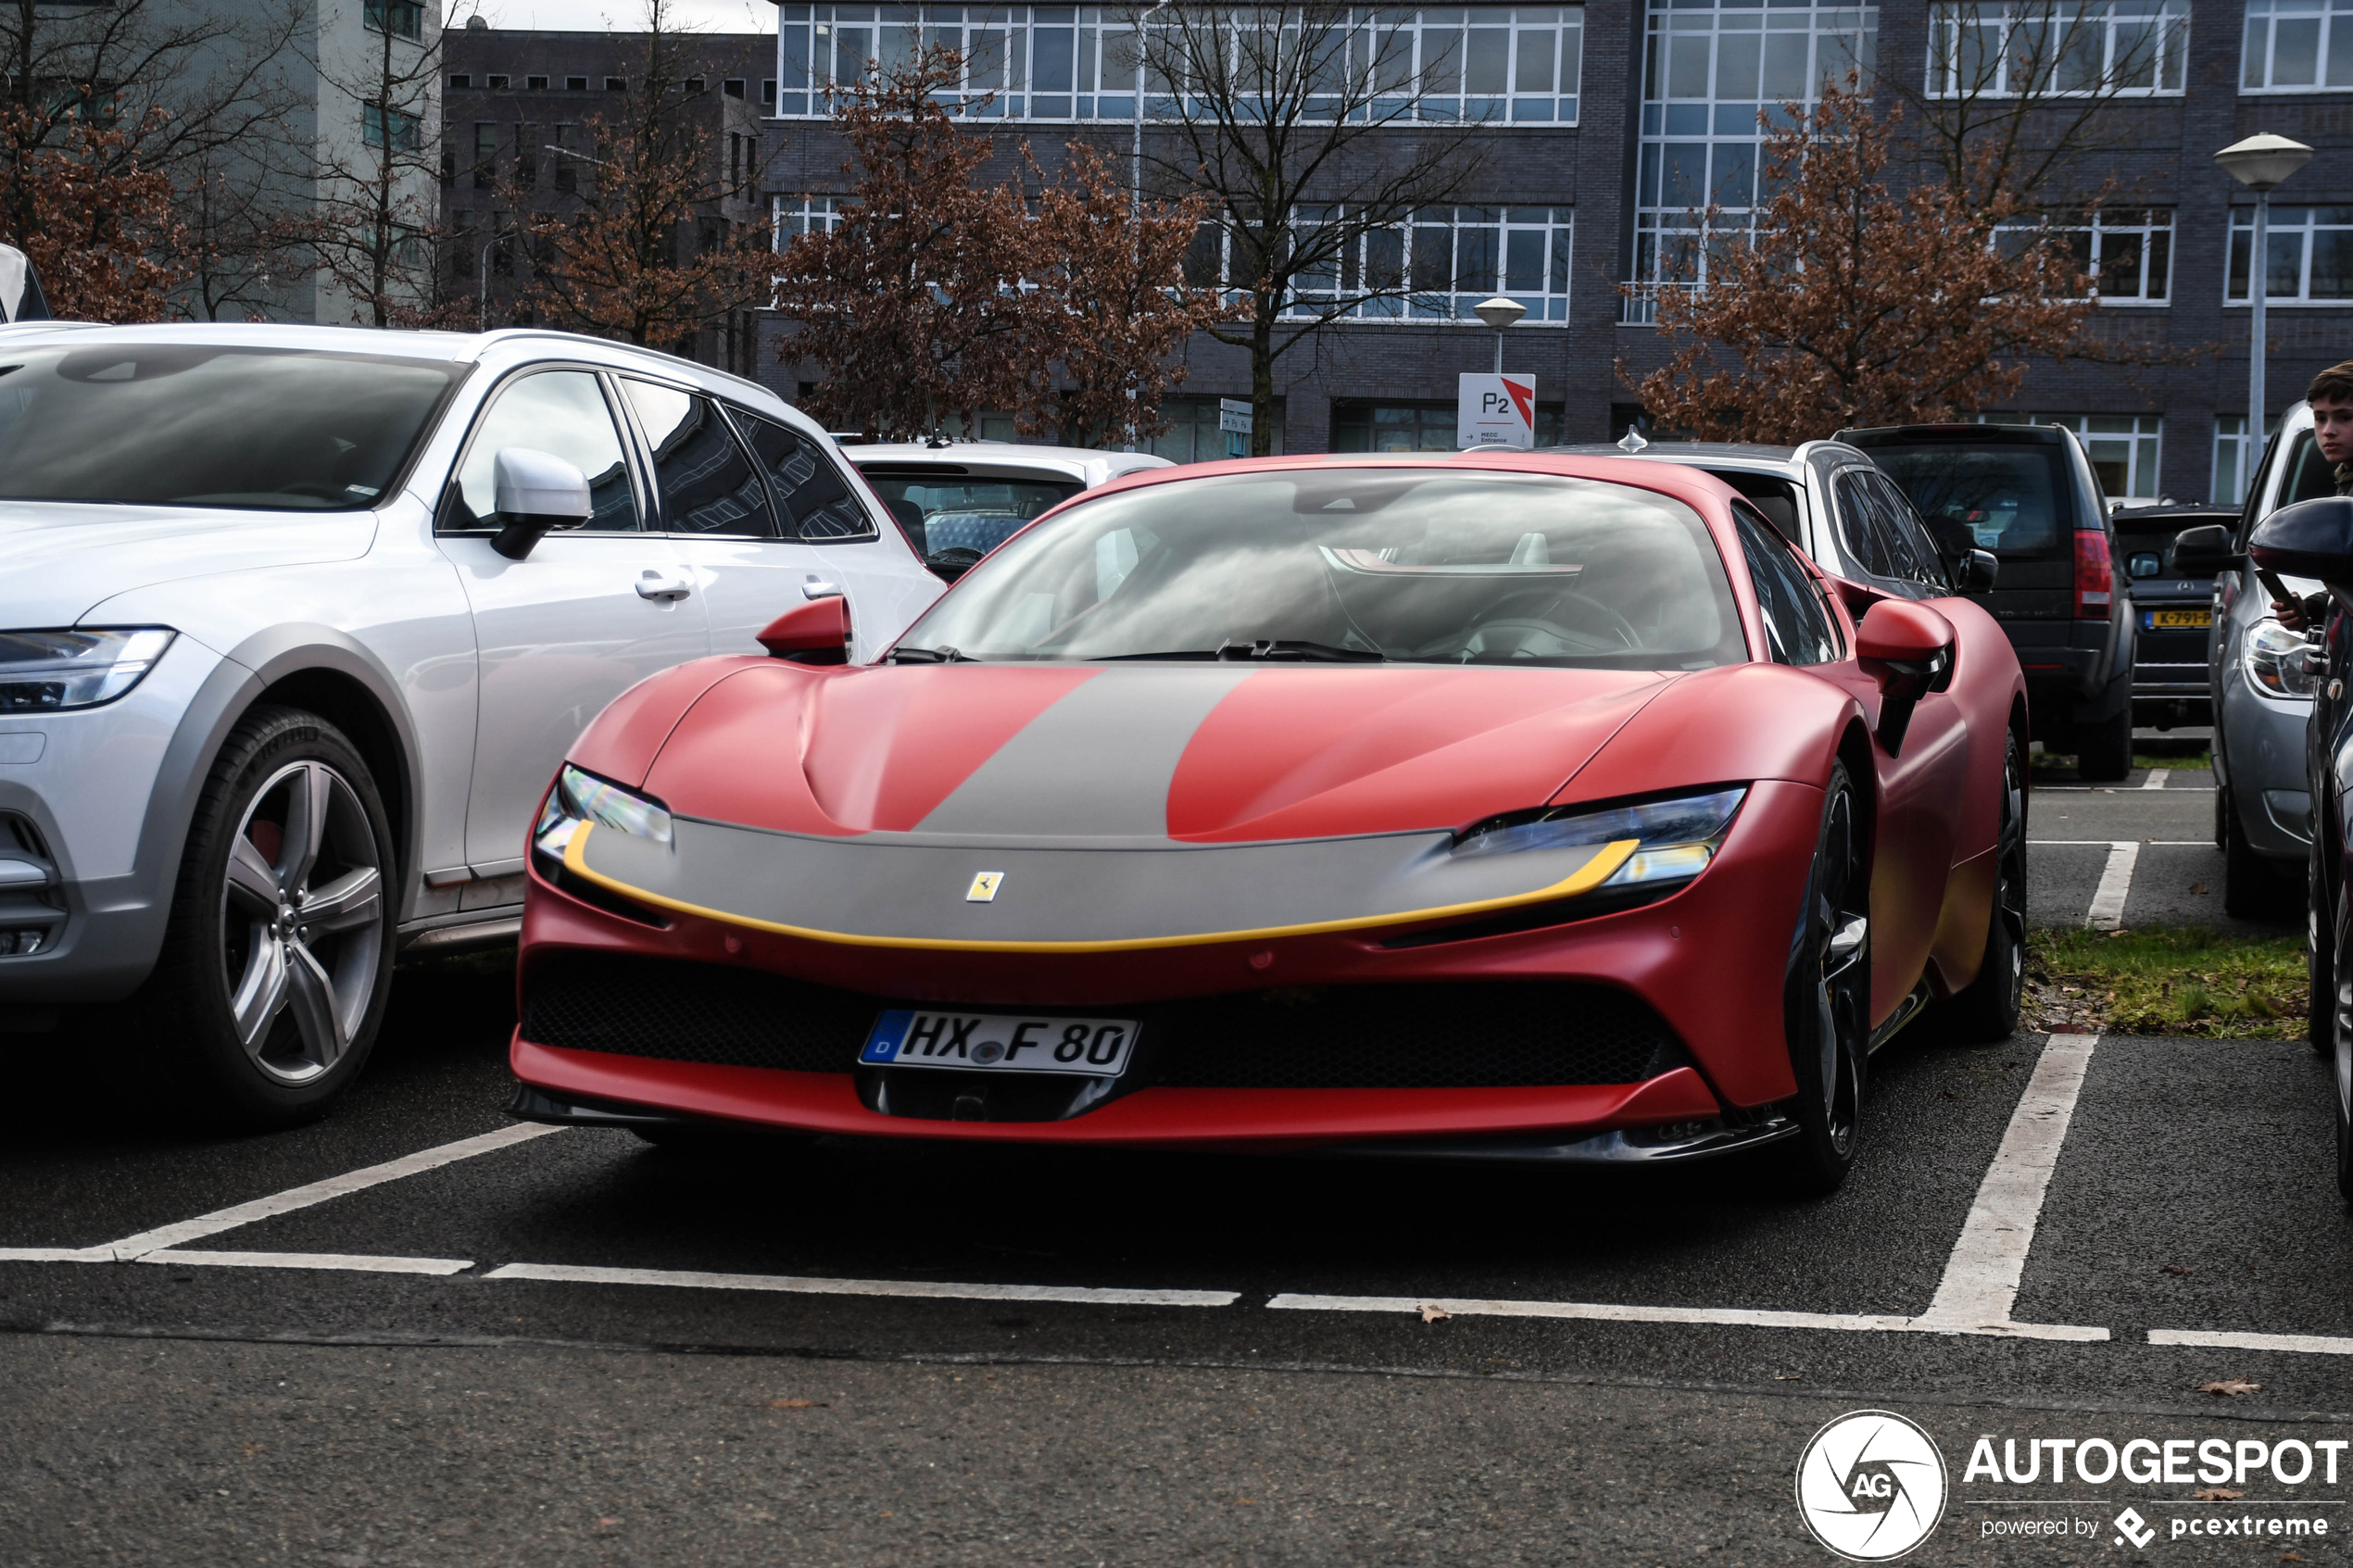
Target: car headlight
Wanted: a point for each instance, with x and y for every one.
(2273, 659)
(582, 797)
(50, 672)
(1676, 838)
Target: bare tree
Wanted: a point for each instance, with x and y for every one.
(380, 197)
(1304, 125)
(2018, 93)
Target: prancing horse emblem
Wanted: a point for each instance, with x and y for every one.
(984, 887)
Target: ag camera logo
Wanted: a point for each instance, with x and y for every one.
(1871, 1485)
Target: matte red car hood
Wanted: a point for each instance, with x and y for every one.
(1201, 753)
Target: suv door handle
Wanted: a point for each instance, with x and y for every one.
(663, 590)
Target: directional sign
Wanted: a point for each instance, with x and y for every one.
(1234, 419)
(1495, 411)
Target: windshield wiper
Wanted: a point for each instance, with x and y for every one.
(942, 654)
(1284, 648)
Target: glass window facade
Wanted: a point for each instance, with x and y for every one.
(1712, 76)
(2124, 448)
(1418, 427)
(1514, 63)
(1446, 258)
(1194, 434)
(2130, 48)
(2298, 46)
(2127, 251)
(2308, 259)
(2230, 461)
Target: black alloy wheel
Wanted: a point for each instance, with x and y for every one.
(1987, 1009)
(1827, 998)
(276, 958)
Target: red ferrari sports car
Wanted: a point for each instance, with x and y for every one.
(1501, 804)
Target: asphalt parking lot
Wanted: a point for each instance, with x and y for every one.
(418, 1333)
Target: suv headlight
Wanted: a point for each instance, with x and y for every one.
(50, 672)
(582, 797)
(1677, 837)
(2273, 659)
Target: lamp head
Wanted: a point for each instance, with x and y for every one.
(2262, 161)
(1499, 313)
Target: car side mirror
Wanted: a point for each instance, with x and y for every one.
(1907, 649)
(1980, 570)
(2308, 539)
(534, 492)
(951, 563)
(2204, 551)
(816, 632)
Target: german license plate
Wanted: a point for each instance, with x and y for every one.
(2159, 619)
(1000, 1042)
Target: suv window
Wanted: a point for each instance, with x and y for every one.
(563, 413)
(812, 500)
(1858, 525)
(2012, 497)
(1907, 538)
(704, 480)
(1798, 626)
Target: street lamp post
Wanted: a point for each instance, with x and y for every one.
(1498, 313)
(2259, 163)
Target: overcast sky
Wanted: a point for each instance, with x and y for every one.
(625, 16)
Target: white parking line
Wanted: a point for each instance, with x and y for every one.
(1736, 1317)
(2111, 844)
(2116, 884)
(350, 1263)
(2306, 1344)
(799, 1284)
(1982, 1277)
(2156, 779)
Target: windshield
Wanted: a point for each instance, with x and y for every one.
(200, 425)
(947, 513)
(2011, 498)
(1354, 563)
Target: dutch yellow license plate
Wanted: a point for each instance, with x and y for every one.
(2160, 618)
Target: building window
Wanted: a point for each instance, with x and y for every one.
(1447, 259)
(382, 127)
(2058, 47)
(486, 154)
(1418, 427)
(732, 87)
(402, 18)
(1058, 63)
(694, 84)
(567, 170)
(461, 81)
(2124, 448)
(527, 146)
(2310, 260)
(1194, 434)
(496, 83)
(2128, 252)
(1709, 74)
(768, 95)
(465, 246)
(575, 84)
(2231, 460)
(535, 84)
(2298, 46)
(792, 217)
(616, 84)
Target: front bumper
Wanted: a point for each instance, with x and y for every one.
(1708, 960)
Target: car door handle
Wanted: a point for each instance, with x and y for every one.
(818, 588)
(661, 589)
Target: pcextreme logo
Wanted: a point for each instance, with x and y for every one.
(1871, 1485)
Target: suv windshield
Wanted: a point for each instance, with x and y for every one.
(202, 425)
(945, 513)
(1354, 563)
(2012, 498)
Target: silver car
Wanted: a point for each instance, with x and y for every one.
(2263, 695)
(296, 624)
(958, 501)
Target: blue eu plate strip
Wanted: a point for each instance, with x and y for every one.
(890, 1032)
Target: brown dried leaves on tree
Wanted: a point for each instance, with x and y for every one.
(93, 219)
(941, 292)
(1859, 305)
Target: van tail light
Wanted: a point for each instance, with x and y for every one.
(2095, 575)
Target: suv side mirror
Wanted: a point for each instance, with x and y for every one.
(2204, 551)
(1980, 570)
(535, 491)
(816, 632)
(2308, 539)
(1907, 649)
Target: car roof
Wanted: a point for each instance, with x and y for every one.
(1000, 459)
(1958, 434)
(2172, 514)
(1686, 451)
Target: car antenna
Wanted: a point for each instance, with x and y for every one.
(1633, 440)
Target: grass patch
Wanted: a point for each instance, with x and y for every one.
(2047, 762)
(2176, 979)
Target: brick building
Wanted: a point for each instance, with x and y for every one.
(1604, 119)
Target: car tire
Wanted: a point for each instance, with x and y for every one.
(1826, 999)
(2252, 888)
(2320, 958)
(277, 955)
(1987, 1009)
(2104, 751)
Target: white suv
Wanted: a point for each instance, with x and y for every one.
(296, 624)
